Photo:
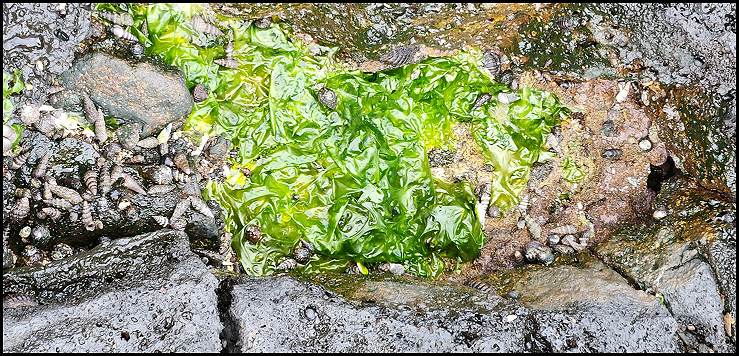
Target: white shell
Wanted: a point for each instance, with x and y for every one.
(623, 93)
(121, 33)
(660, 213)
(645, 144)
(565, 229)
(163, 136)
(161, 220)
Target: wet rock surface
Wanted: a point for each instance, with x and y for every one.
(680, 43)
(41, 34)
(142, 92)
(596, 301)
(154, 295)
(382, 313)
(684, 251)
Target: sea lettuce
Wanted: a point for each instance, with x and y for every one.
(355, 181)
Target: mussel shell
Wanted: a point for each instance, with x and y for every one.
(401, 55)
(613, 153)
(491, 61)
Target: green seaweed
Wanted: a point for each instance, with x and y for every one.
(355, 181)
(17, 81)
(570, 171)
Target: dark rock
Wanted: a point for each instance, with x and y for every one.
(146, 293)
(117, 223)
(129, 135)
(70, 158)
(592, 308)
(677, 262)
(379, 313)
(541, 171)
(722, 258)
(28, 37)
(150, 94)
(202, 231)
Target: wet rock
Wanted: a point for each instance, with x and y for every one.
(129, 135)
(694, 124)
(401, 314)
(676, 250)
(722, 258)
(677, 34)
(607, 314)
(540, 171)
(203, 231)
(439, 157)
(269, 313)
(28, 38)
(150, 94)
(70, 158)
(147, 293)
(134, 219)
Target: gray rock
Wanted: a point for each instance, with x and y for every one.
(409, 316)
(694, 299)
(401, 314)
(677, 267)
(593, 308)
(438, 157)
(145, 93)
(28, 38)
(147, 293)
(722, 257)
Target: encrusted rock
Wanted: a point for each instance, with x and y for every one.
(145, 93)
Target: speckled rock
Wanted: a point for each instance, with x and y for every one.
(143, 92)
(402, 314)
(596, 310)
(147, 293)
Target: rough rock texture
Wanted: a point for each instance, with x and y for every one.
(677, 258)
(682, 43)
(147, 293)
(381, 313)
(591, 308)
(70, 158)
(36, 32)
(692, 45)
(138, 93)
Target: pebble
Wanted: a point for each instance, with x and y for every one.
(660, 213)
(645, 144)
(310, 313)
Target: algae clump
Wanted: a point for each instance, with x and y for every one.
(353, 181)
